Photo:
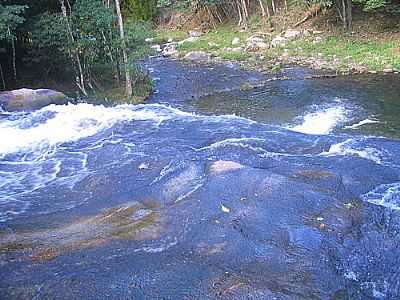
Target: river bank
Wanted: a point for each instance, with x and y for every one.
(314, 45)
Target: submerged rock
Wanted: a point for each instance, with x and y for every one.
(29, 99)
(134, 221)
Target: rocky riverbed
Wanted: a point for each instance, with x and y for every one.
(286, 189)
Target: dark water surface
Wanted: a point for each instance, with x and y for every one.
(286, 191)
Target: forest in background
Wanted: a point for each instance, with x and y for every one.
(95, 45)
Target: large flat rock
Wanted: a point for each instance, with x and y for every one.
(29, 99)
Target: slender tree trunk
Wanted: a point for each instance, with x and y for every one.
(245, 13)
(128, 80)
(344, 14)
(239, 13)
(273, 6)
(2, 78)
(349, 15)
(81, 80)
(263, 13)
(14, 64)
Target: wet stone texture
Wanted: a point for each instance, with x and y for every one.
(165, 204)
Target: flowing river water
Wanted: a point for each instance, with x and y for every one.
(287, 191)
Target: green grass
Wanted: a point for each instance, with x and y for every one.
(163, 34)
(215, 40)
(372, 54)
(235, 56)
(375, 55)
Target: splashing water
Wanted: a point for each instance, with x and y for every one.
(387, 195)
(322, 121)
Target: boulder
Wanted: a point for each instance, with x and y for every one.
(307, 32)
(198, 56)
(256, 43)
(149, 40)
(190, 39)
(169, 49)
(360, 69)
(255, 39)
(157, 48)
(317, 40)
(235, 41)
(194, 33)
(279, 41)
(292, 34)
(236, 49)
(28, 99)
(255, 47)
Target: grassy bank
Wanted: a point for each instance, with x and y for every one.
(330, 50)
(348, 51)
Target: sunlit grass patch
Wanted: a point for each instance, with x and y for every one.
(162, 35)
(375, 55)
(235, 56)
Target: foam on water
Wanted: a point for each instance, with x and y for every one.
(33, 154)
(362, 123)
(387, 195)
(68, 123)
(349, 147)
(241, 142)
(322, 121)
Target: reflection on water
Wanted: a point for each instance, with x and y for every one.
(359, 105)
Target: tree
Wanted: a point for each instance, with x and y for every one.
(75, 52)
(390, 6)
(141, 10)
(10, 18)
(345, 10)
(128, 82)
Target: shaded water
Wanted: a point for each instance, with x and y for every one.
(289, 191)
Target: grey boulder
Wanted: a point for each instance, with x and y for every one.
(28, 99)
(198, 56)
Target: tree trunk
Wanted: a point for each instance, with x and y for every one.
(2, 77)
(273, 6)
(14, 64)
(239, 13)
(128, 81)
(346, 14)
(81, 79)
(349, 16)
(263, 13)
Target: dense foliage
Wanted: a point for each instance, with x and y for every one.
(240, 9)
(82, 41)
(79, 40)
(141, 10)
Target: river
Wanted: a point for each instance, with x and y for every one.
(290, 190)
